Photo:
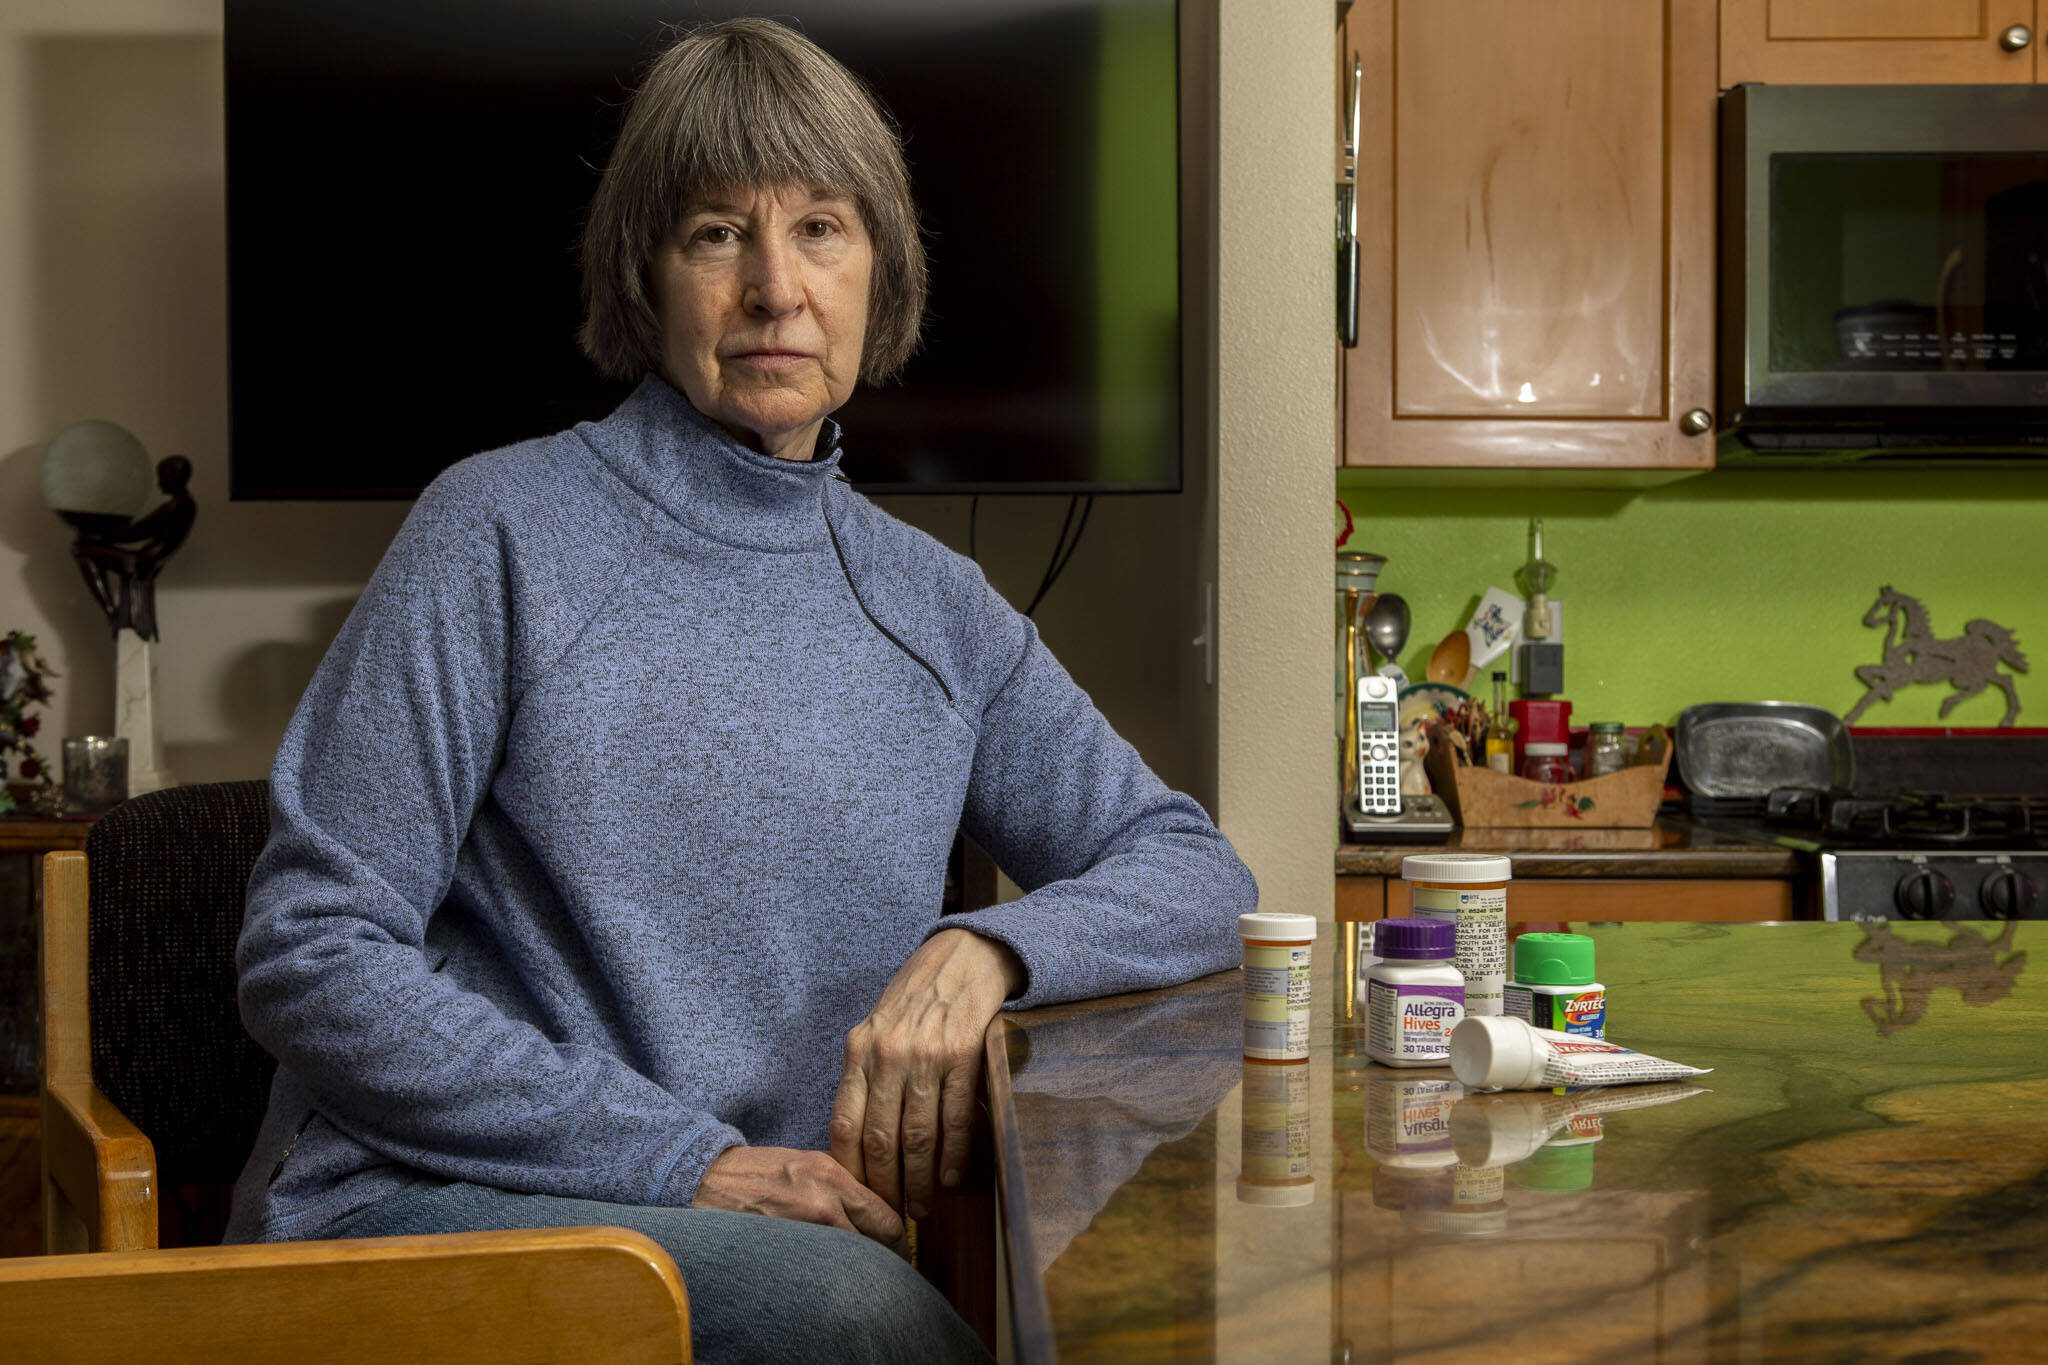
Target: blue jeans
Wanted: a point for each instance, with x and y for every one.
(761, 1289)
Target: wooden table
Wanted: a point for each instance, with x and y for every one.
(1862, 1175)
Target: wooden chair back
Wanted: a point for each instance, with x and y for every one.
(562, 1294)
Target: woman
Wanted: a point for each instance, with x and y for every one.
(608, 840)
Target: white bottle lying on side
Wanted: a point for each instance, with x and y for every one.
(1497, 1052)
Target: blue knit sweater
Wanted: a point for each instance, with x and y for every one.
(622, 794)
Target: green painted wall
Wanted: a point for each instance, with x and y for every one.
(1732, 586)
(1137, 230)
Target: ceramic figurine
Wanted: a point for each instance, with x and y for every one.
(1414, 749)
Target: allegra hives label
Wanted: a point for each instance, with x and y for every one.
(1412, 1023)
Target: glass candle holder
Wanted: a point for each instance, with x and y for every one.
(95, 772)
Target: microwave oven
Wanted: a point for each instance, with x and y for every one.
(1884, 274)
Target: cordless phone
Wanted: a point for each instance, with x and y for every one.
(1379, 747)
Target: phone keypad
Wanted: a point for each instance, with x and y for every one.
(1380, 787)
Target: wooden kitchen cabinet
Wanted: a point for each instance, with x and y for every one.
(1880, 42)
(1536, 229)
(1578, 899)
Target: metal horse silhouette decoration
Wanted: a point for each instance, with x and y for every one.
(1969, 662)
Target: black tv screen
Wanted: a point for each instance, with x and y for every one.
(407, 179)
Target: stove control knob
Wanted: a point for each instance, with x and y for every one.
(2007, 894)
(1924, 894)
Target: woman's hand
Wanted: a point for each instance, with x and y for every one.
(907, 1098)
(807, 1187)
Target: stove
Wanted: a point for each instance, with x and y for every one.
(1941, 825)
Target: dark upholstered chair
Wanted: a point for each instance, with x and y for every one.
(151, 1098)
(167, 876)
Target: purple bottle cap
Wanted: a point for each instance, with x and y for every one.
(1410, 940)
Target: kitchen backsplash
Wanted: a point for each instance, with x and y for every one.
(1733, 586)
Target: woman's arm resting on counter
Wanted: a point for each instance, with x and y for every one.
(1129, 884)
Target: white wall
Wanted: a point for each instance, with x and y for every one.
(1276, 434)
(112, 304)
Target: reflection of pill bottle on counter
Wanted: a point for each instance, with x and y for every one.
(1276, 985)
(1274, 1163)
(1408, 1117)
(1478, 1205)
(1566, 1161)
(1559, 1167)
(1469, 890)
(1414, 997)
(1405, 1189)
(1554, 986)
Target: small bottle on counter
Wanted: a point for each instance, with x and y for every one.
(1543, 762)
(1277, 950)
(1500, 736)
(1469, 890)
(1605, 750)
(1414, 997)
(1554, 986)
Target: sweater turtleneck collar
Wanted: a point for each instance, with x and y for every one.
(693, 469)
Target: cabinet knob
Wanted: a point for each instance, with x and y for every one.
(1698, 422)
(2016, 38)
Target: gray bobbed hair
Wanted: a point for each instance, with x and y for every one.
(731, 105)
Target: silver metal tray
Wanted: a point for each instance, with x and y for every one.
(1735, 750)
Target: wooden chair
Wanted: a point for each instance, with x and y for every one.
(167, 873)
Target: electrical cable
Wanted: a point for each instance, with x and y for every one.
(1063, 548)
(1052, 565)
(1087, 507)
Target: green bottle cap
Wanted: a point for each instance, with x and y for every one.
(1556, 1168)
(1553, 959)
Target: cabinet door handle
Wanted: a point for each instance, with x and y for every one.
(2016, 38)
(1347, 217)
(1698, 422)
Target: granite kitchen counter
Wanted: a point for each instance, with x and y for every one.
(1670, 848)
(1861, 1175)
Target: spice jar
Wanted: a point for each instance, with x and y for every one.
(1605, 750)
(1547, 762)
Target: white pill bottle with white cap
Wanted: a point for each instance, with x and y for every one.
(1469, 890)
(1277, 987)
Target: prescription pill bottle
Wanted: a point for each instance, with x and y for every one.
(1276, 985)
(1469, 890)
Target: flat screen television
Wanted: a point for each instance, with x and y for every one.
(406, 181)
